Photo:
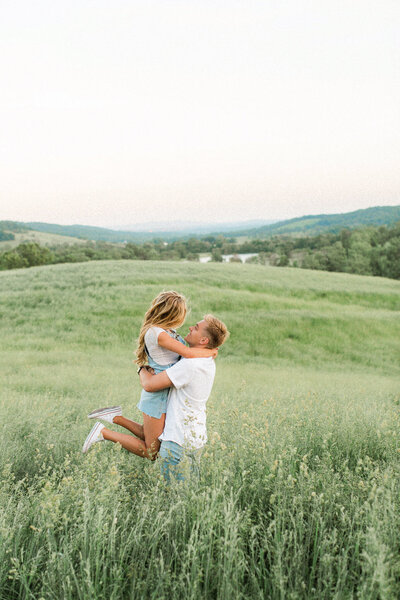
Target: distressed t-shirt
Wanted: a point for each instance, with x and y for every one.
(185, 422)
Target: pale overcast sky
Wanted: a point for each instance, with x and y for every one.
(114, 113)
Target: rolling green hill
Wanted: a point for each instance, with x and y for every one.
(315, 224)
(91, 233)
(17, 233)
(85, 232)
(42, 238)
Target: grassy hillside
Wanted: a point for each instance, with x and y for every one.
(300, 478)
(86, 232)
(315, 224)
(150, 231)
(42, 238)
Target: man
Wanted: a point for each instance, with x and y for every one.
(191, 381)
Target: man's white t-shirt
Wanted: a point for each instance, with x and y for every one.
(185, 422)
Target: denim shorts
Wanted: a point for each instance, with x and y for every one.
(179, 462)
(154, 404)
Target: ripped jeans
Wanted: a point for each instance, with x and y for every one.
(179, 462)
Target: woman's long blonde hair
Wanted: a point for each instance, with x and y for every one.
(168, 310)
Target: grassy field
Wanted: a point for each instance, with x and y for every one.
(300, 484)
(44, 239)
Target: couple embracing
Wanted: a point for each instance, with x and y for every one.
(177, 380)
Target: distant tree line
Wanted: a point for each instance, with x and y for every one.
(365, 251)
(6, 236)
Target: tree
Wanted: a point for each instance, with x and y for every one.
(345, 236)
(5, 236)
(316, 260)
(12, 260)
(336, 257)
(393, 258)
(283, 260)
(34, 254)
(216, 255)
(359, 257)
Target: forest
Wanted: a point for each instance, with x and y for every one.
(370, 250)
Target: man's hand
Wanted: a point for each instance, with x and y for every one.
(153, 383)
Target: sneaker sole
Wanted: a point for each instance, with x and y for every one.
(88, 441)
(107, 410)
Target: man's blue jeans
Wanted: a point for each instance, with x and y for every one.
(178, 461)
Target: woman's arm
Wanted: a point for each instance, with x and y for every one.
(166, 341)
(153, 383)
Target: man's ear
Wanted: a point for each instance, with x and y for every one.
(204, 341)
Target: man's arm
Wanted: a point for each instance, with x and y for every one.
(154, 383)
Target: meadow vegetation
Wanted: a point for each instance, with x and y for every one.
(298, 496)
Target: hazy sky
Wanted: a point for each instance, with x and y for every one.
(121, 112)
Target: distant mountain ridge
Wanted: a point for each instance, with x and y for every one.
(193, 226)
(306, 225)
(89, 232)
(332, 223)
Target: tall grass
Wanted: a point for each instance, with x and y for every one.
(298, 496)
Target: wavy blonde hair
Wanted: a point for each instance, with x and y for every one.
(168, 310)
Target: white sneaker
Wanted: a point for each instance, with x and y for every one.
(106, 414)
(94, 436)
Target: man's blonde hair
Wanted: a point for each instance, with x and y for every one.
(216, 331)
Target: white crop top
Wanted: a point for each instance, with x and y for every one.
(162, 356)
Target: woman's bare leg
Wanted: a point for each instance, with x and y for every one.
(152, 429)
(146, 448)
(132, 426)
(129, 442)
